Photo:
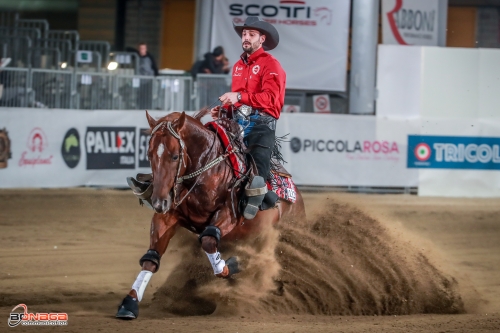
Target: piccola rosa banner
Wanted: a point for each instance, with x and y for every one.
(410, 22)
(313, 37)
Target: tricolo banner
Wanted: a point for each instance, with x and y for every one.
(313, 37)
(411, 22)
(453, 152)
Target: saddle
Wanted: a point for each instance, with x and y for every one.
(279, 182)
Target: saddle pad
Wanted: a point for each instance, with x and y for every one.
(283, 186)
(236, 160)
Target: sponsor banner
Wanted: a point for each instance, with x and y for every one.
(5, 153)
(110, 147)
(341, 150)
(410, 22)
(313, 37)
(144, 137)
(66, 148)
(453, 152)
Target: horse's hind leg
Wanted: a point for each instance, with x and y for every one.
(210, 239)
(162, 230)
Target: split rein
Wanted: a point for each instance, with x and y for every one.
(179, 179)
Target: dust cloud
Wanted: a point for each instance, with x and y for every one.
(339, 262)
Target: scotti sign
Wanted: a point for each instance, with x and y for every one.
(410, 22)
(311, 57)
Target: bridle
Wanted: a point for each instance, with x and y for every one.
(179, 179)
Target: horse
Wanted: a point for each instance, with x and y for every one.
(193, 188)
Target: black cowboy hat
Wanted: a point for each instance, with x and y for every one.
(255, 22)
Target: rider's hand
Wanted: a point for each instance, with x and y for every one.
(214, 112)
(229, 98)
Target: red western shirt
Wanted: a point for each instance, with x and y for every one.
(261, 81)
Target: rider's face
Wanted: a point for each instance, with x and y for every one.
(251, 40)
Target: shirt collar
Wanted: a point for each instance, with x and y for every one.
(252, 57)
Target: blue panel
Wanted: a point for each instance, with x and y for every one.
(453, 152)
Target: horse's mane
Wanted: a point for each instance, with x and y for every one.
(175, 115)
(202, 113)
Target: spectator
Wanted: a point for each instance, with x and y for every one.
(147, 64)
(147, 67)
(213, 63)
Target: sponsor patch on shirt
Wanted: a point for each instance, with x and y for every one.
(237, 71)
(255, 69)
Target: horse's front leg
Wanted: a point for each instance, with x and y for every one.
(163, 228)
(220, 225)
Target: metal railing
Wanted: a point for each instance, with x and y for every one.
(69, 89)
(15, 88)
(101, 47)
(126, 60)
(41, 25)
(52, 89)
(209, 87)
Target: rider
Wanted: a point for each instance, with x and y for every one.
(257, 93)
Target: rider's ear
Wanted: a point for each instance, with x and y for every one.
(182, 119)
(151, 120)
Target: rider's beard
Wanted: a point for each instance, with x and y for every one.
(250, 48)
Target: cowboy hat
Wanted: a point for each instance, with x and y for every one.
(255, 22)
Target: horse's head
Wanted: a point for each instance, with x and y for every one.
(166, 155)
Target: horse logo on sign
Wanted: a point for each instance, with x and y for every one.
(5, 152)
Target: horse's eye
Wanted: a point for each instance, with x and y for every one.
(175, 157)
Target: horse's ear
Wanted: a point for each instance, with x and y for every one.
(151, 120)
(182, 120)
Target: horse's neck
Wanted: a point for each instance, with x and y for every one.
(203, 145)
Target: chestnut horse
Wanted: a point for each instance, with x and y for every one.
(193, 191)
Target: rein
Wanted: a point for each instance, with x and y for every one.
(180, 179)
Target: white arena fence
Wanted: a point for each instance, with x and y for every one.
(67, 148)
(44, 88)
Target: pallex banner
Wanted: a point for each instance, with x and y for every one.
(313, 37)
(66, 148)
(414, 22)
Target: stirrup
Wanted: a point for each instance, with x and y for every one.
(142, 189)
(255, 193)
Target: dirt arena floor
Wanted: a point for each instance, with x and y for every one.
(361, 263)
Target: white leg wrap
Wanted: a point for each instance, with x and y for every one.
(216, 261)
(141, 283)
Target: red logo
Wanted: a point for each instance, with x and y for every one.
(37, 144)
(422, 152)
(392, 22)
(37, 140)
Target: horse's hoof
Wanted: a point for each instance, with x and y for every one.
(232, 265)
(129, 309)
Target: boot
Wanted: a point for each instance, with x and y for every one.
(142, 189)
(270, 200)
(254, 193)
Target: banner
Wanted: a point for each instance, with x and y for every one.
(313, 37)
(410, 22)
(453, 152)
(66, 148)
(343, 150)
